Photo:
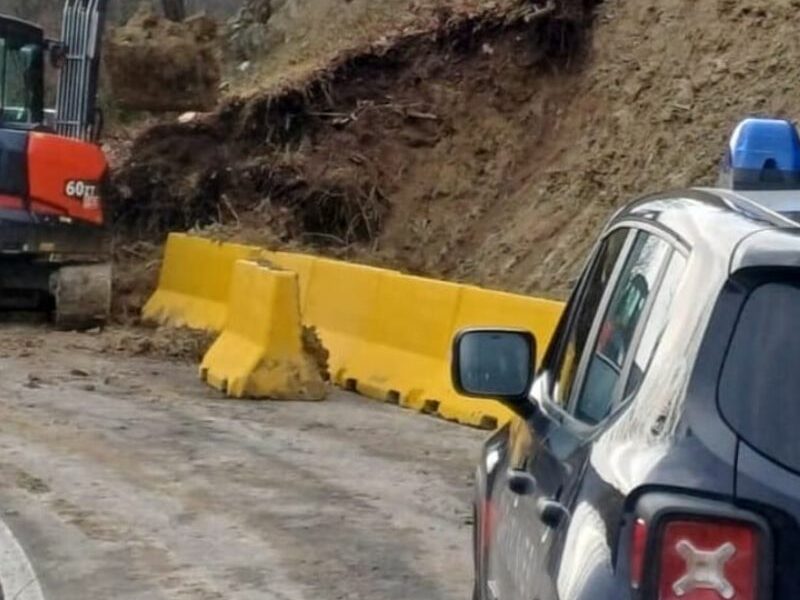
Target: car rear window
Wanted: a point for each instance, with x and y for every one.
(759, 389)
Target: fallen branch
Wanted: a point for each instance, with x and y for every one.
(422, 115)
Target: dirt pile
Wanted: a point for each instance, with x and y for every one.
(154, 64)
(317, 163)
(488, 148)
(136, 269)
(170, 344)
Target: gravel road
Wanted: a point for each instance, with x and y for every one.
(124, 477)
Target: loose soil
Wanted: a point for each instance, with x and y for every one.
(490, 146)
(154, 64)
(363, 156)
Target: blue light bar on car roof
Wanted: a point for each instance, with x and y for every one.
(763, 154)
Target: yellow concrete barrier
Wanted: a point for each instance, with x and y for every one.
(341, 302)
(488, 308)
(388, 334)
(195, 282)
(302, 264)
(260, 351)
(409, 331)
(407, 327)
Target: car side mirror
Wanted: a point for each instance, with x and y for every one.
(498, 364)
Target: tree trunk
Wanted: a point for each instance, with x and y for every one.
(174, 10)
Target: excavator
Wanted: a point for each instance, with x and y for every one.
(54, 244)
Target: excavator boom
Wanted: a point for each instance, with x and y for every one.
(82, 28)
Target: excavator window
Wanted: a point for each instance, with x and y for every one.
(21, 82)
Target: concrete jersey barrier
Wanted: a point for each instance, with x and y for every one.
(388, 334)
(259, 353)
(194, 283)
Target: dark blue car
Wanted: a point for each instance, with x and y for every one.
(656, 453)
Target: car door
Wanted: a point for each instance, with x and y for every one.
(578, 389)
(514, 561)
(584, 380)
(577, 551)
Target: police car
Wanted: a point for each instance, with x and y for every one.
(657, 451)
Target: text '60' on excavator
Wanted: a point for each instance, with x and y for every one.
(54, 245)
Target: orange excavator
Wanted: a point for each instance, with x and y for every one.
(54, 244)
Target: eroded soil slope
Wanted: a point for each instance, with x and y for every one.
(368, 157)
(664, 85)
(489, 148)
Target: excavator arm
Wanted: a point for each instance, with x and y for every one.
(82, 29)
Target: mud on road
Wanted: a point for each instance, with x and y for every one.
(125, 477)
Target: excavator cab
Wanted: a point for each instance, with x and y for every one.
(22, 52)
(54, 246)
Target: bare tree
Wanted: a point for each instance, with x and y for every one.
(174, 10)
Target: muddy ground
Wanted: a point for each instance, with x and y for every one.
(125, 477)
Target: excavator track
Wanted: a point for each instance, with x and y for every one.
(82, 295)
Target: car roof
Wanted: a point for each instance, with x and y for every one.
(749, 229)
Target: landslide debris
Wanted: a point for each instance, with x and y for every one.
(154, 64)
(313, 347)
(330, 161)
(167, 343)
(136, 269)
(487, 147)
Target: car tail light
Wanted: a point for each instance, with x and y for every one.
(708, 560)
(638, 549)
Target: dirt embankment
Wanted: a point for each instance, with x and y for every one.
(365, 155)
(489, 148)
